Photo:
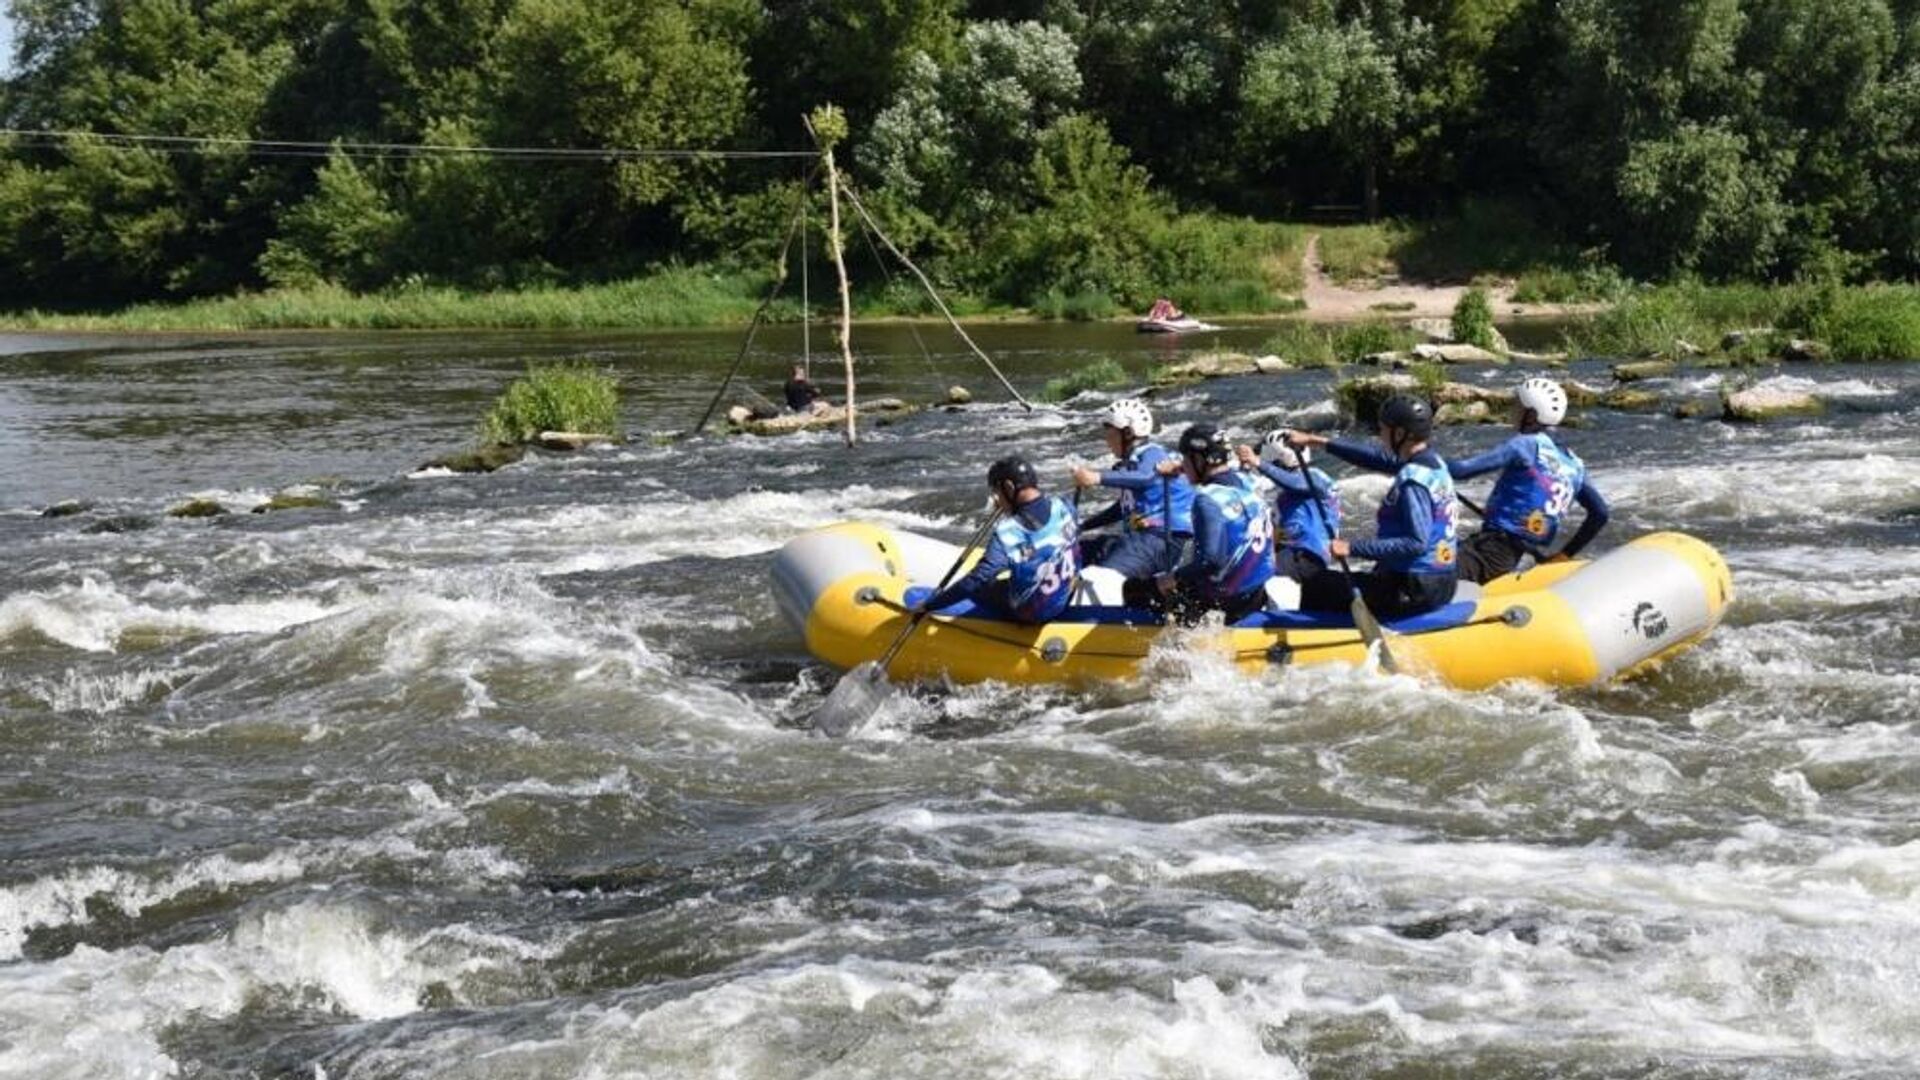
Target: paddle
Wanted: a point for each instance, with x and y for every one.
(1363, 620)
(864, 689)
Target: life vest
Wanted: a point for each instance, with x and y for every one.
(1145, 510)
(1307, 522)
(1045, 560)
(1530, 500)
(1442, 540)
(1248, 536)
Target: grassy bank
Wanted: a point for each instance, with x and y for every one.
(1853, 324)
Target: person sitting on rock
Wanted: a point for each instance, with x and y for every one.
(1308, 514)
(1540, 480)
(802, 395)
(1032, 563)
(1228, 564)
(1155, 512)
(1414, 550)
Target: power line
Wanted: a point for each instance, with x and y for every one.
(184, 144)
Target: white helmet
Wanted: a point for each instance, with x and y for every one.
(1277, 450)
(1131, 415)
(1545, 397)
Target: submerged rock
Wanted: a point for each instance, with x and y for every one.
(288, 500)
(1692, 410)
(122, 523)
(68, 508)
(1644, 369)
(197, 508)
(1627, 399)
(1759, 403)
(484, 459)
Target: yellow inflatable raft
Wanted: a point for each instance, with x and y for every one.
(845, 588)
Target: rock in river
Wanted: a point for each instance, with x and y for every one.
(1759, 403)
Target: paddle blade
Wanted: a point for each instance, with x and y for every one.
(853, 702)
(1372, 633)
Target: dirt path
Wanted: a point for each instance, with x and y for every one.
(1394, 298)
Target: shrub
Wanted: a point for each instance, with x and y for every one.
(1302, 344)
(554, 397)
(1871, 324)
(1473, 319)
(1100, 373)
(1350, 343)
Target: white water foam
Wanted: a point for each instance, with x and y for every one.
(95, 615)
(96, 1013)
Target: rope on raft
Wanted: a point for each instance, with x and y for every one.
(954, 623)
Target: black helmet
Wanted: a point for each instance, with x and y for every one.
(1015, 470)
(1206, 442)
(1409, 414)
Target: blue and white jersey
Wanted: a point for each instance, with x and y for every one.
(1042, 563)
(1535, 489)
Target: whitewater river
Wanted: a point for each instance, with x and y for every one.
(495, 776)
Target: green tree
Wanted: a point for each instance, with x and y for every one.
(1335, 84)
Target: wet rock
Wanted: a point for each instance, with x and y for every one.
(571, 440)
(1693, 410)
(68, 508)
(197, 508)
(1543, 359)
(122, 523)
(1740, 339)
(1759, 403)
(1627, 399)
(1465, 412)
(1270, 365)
(1644, 369)
(1212, 365)
(1802, 351)
(1683, 347)
(1387, 359)
(1362, 397)
(959, 395)
(484, 459)
(1581, 394)
(1457, 354)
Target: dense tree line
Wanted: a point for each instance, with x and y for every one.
(1023, 146)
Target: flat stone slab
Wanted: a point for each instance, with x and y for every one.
(571, 440)
(1457, 354)
(1759, 403)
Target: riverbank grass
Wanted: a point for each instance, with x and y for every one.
(554, 397)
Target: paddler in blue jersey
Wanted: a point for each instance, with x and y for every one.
(1414, 549)
(1540, 480)
(1307, 514)
(1151, 531)
(1227, 566)
(1032, 563)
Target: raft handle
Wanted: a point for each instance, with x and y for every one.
(1280, 655)
(1516, 616)
(867, 594)
(1053, 650)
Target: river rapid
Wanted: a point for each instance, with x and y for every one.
(496, 776)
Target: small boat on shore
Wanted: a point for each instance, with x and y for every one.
(847, 588)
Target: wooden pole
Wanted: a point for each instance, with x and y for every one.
(828, 126)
